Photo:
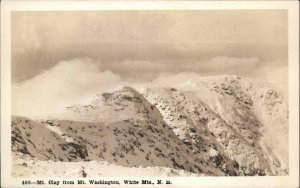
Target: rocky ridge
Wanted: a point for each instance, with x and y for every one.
(213, 126)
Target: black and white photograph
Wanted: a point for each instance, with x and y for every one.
(149, 93)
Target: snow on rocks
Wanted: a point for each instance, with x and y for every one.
(227, 108)
(216, 126)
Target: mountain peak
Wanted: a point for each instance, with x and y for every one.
(126, 103)
(228, 121)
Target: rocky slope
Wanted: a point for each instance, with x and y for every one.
(244, 117)
(32, 138)
(122, 128)
(26, 166)
(214, 126)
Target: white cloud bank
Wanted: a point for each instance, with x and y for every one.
(276, 77)
(216, 64)
(72, 82)
(62, 85)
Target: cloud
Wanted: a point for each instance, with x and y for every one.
(276, 77)
(223, 62)
(64, 84)
(272, 76)
(169, 80)
(73, 81)
(215, 65)
(152, 26)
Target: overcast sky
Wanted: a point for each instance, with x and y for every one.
(139, 46)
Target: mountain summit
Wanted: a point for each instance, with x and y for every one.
(216, 126)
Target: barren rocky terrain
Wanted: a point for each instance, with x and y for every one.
(213, 126)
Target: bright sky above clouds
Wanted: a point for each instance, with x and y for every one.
(60, 57)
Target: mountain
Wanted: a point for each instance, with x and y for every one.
(241, 116)
(36, 140)
(138, 136)
(215, 126)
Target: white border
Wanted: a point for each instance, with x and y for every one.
(293, 28)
